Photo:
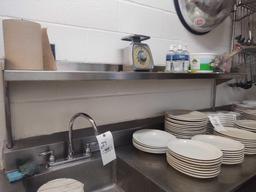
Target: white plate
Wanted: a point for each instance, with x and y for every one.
(251, 103)
(185, 131)
(188, 127)
(195, 162)
(195, 150)
(148, 150)
(221, 142)
(238, 133)
(157, 148)
(153, 138)
(198, 167)
(201, 176)
(187, 115)
(232, 162)
(248, 124)
(186, 123)
(201, 172)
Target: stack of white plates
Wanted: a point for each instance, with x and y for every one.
(247, 111)
(233, 151)
(251, 103)
(249, 114)
(152, 140)
(248, 125)
(185, 124)
(194, 158)
(245, 137)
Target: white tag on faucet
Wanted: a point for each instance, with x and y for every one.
(107, 148)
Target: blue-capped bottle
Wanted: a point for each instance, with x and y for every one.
(169, 59)
(178, 60)
(186, 61)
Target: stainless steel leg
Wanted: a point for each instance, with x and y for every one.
(213, 94)
(9, 135)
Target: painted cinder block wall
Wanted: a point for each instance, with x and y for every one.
(90, 31)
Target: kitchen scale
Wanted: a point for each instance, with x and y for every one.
(137, 56)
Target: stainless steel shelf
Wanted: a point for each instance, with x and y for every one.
(18, 75)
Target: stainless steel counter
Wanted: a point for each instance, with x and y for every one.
(155, 168)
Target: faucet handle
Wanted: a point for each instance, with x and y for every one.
(87, 150)
(51, 157)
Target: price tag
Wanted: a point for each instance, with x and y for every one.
(107, 148)
(215, 121)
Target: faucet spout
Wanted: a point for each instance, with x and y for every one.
(70, 131)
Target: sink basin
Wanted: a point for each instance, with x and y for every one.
(117, 176)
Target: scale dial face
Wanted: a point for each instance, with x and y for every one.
(142, 58)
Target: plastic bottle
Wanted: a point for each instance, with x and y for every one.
(178, 60)
(186, 61)
(169, 59)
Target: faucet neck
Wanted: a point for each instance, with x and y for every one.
(70, 133)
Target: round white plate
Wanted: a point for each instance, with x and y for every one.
(62, 185)
(153, 138)
(192, 126)
(182, 122)
(157, 148)
(148, 150)
(221, 142)
(187, 115)
(183, 131)
(195, 150)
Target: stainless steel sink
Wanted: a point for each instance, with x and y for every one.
(118, 176)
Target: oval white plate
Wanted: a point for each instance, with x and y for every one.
(201, 176)
(221, 142)
(249, 124)
(238, 133)
(195, 150)
(153, 138)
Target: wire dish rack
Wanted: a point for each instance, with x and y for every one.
(249, 5)
(244, 35)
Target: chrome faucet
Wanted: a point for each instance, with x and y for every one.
(70, 131)
(87, 152)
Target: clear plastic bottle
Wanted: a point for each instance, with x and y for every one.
(169, 58)
(186, 61)
(178, 60)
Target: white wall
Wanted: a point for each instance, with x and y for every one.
(90, 31)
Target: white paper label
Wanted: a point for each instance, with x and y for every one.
(215, 121)
(107, 148)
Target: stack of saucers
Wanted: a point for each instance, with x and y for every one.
(227, 119)
(248, 125)
(249, 114)
(185, 124)
(233, 151)
(245, 137)
(152, 140)
(194, 158)
(246, 112)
